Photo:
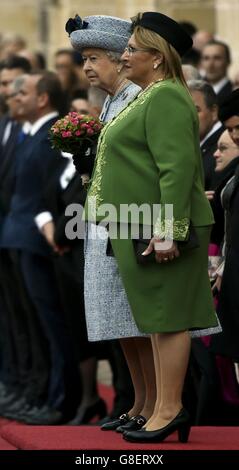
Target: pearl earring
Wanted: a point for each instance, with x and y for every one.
(155, 66)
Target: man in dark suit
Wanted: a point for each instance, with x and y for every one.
(39, 98)
(216, 59)
(10, 70)
(22, 354)
(210, 128)
(9, 131)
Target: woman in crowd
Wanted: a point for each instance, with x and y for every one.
(138, 162)
(101, 41)
(226, 343)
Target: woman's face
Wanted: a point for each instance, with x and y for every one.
(226, 151)
(99, 69)
(139, 63)
(232, 125)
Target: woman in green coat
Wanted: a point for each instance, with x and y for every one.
(149, 154)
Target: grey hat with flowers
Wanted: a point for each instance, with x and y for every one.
(100, 31)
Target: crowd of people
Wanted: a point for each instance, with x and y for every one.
(65, 304)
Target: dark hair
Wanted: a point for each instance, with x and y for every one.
(76, 56)
(230, 106)
(79, 94)
(189, 27)
(16, 62)
(215, 42)
(41, 60)
(49, 83)
(192, 57)
(206, 89)
(78, 59)
(69, 52)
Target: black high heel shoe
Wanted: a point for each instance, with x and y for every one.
(84, 415)
(180, 423)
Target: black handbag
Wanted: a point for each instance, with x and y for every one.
(141, 244)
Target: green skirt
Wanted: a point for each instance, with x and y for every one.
(168, 297)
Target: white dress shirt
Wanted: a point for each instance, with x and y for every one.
(65, 178)
(219, 85)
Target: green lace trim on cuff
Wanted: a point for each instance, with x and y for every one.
(172, 229)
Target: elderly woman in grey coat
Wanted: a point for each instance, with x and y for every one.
(101, 41)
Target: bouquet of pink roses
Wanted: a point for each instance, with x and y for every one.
(75, 132)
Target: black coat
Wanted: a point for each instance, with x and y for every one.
(70, 266)
(227, 342)
(217, 235)
(57, 199)
(7, 167)
(208, 149)
(224, 92)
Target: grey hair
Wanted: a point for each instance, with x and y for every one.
(114, 56)
(96, 97)
(190, 72)
(206, 89)
(17, 83)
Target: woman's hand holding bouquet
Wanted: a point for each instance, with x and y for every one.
(77, 134)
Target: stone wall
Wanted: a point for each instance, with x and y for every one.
(42, 21)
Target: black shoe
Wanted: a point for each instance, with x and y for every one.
(112, 425)
(8, 398)
(84, 415)
(180, 423)
(104, 420)
(14, 407)
(134, 424)
(43, 416)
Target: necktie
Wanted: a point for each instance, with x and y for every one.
(21, 136)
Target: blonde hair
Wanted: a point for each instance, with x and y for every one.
(171, 64)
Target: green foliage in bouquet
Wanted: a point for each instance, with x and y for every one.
(74, 132)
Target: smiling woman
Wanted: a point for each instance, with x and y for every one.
(150, 153)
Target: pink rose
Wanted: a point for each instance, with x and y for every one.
(90, 131)
(74, 122)
(66, 134)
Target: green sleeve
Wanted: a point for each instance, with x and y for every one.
(170, 136)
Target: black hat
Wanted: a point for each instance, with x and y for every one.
(166, 27)
(229, 107)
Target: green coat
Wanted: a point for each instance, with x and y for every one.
(150, 154)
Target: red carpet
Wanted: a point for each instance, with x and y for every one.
(92, 438)
(4, 445)
(20, 436)
(4, 421)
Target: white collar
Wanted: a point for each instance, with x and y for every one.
(219, 85)
(40, 122)
(215, 128)
(26, 127)
(66, 155)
